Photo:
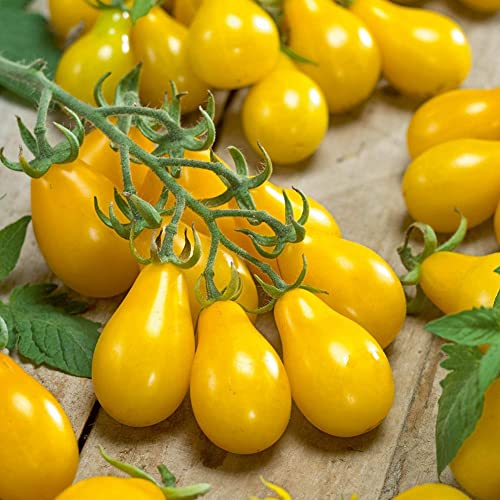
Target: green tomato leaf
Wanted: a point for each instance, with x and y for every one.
(141, 8)
(25, 37)
(468, 328)
(461, 401)
(490, 367)
(11, 241)
(46, 333)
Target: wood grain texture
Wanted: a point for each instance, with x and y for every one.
(356, 173)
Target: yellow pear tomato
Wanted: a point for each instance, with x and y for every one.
(38, 452)
(432, 491)
(232, 43)
(67, 14)
(142, 360)
(287, 113)
(339, 267)
(239, 389)
(159, 42)
(346, 57)
(112, 488)
(84, 253)
(462, 174)
(423, 53)
(340, 377)
(185, 10)
(106, 47)
(477, 462)
(459, 114)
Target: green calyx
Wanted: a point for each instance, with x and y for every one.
(413, 262)
(168, 481)
(129, 214)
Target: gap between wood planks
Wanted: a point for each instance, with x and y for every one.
(94, 412)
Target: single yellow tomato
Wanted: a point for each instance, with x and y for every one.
(287, 113)
(462, 174)
(38, 451)
(477, 462)
(347, 59)
(159, 42)
(340, 377)
(459, 114)
(239, 389)
(112, 488)
(106, 47)
(65, 15)
(97, 153)
(423, 53)
(359, 283)
(232, 43)
(142, 360)
(432, 491)
(456, 282)
(84, 253)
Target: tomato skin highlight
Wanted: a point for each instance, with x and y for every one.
(462, 174)
(239, 389)
(347, 57)
(340, 377)
(459, 114)
(456, 282)
(232, 43)
(287, 113)
(160, 43)
(143, 358)
(477, 462)
(423, 53)
(431, 491)
(106, 47)
(112, 488)
(360, 284)
(39, 452)
(85, 254)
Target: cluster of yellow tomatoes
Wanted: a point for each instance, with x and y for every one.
(232, 44)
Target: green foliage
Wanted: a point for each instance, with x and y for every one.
(470, 374)
(11, 241)
(43, 328)
(25, 37)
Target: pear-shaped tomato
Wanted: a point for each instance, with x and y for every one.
(106, 47)
(224, 261)
(239, 389)
(97, 153)
(142, 360)
(84, 253)
(461, 174)
(340, 377)
(232, 43)
(38, 449)
(477, 462)
(160, 44)
(459, 114)
(66, 15)
(287, 113)
(269, 197)
(112, 488)
(456, 282)
(339, 267)
(432, 491)
(347, 59)
(423, 53)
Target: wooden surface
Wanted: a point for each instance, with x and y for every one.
(356, 173)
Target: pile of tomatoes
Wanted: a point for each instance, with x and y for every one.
(338, 56)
